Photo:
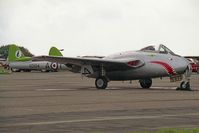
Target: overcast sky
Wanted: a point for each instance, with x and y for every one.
(100, 27)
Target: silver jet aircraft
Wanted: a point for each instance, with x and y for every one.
(143, 65)
(18, 62)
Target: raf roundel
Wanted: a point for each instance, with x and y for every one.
(54, 66)
(18, 53)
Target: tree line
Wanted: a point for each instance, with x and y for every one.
(4, 51)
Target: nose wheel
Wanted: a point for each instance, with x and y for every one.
(101, 83)
(185, 84)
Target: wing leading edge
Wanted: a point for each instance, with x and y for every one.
(114, 64)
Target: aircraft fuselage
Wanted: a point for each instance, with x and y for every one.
(155, 65)
(36, 65)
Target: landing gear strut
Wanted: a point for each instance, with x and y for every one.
(101, 82)
(185, 84)
(145, 83)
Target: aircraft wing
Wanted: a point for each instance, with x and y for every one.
(109, 64)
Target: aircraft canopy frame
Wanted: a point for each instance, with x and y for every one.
(157, 49)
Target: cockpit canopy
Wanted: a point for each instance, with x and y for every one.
(158, 49)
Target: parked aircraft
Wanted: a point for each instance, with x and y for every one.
(18, 62)
(194, 62)
(143, 65)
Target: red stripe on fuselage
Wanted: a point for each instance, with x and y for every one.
(168, 68)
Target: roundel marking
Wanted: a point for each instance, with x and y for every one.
(18, 53)
(54, 66)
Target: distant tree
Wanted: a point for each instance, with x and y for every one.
(25, 51)
(4, 51)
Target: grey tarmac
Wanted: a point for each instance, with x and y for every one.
(66, 102)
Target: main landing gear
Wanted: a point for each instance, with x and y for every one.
(101, 83)
(185, 84)
(145, 83)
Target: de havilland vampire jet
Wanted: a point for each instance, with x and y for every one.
(18, 62)
(143, 65)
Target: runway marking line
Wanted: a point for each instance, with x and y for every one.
(98, 119)
(109, 88)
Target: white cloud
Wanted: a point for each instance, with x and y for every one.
(100, 27)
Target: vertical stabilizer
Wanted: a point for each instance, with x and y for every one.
(54, 52)
(14, 53)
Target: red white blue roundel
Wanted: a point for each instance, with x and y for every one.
(18, 53)
(54, 66)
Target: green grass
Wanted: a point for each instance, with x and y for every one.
(3, 71)
(193, 130)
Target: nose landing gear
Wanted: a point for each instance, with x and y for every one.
(185, 84)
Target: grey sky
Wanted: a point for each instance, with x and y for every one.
(100, 27)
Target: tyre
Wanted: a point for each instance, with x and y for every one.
(101, 83)
(15, 70)
(185, 85)
(145, 83)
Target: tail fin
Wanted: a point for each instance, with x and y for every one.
(54, 52)
(15, 54)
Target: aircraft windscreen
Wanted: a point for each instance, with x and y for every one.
(164, 49)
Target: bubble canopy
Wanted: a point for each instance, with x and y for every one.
(157, 48)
